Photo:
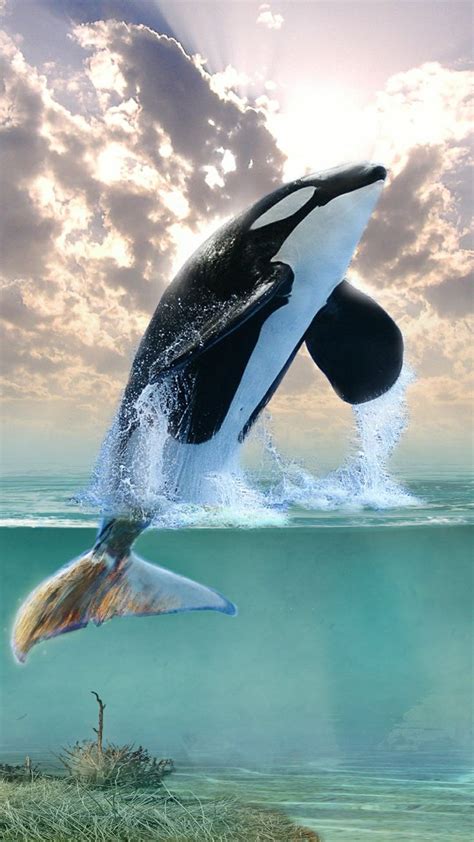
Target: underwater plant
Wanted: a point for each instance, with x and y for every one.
(94, 764)
(63, 811)
(114, 765)
(19, 773)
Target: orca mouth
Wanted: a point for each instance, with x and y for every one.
(346, 178)
(344, 181)
(363, 175)
(379, 173)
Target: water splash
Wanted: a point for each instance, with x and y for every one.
(364, 479)
(144, 479)
(129, 474)
(379, 426)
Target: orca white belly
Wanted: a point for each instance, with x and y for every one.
(193, 465)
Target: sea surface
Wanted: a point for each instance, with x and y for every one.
(342, 692)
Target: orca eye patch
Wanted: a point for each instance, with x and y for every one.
(285, 208)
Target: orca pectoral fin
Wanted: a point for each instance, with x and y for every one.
(220, 318)
(356, 345)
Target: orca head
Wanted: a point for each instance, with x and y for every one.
(310, 226)
(314, 224)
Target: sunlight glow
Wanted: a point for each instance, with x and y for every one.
(322, 126)
(187, 240)
(116, 163)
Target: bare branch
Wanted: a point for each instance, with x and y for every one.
(100, 729)
(99, 700)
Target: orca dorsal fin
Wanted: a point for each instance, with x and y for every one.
(356, 345)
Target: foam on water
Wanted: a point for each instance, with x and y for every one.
(364, 479)
(144, 479)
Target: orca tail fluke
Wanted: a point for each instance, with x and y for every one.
(95, 587)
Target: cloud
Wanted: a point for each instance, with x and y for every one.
(97, 201)
(414, 257)
(414, 239)
(179, 109)
(453, 297)
(272, 20)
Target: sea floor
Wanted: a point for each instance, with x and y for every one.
(384, 803)
(353, 803)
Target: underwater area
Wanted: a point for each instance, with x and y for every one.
(341, 692)
(339, 696)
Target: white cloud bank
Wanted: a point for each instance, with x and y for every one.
(272, 20)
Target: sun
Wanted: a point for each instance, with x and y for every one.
(320, 126)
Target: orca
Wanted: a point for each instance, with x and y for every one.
(219, 343)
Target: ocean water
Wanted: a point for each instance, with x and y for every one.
(342, 690)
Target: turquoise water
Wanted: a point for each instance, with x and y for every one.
(341, 692)
(43, 499)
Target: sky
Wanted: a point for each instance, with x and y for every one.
(131, 130)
